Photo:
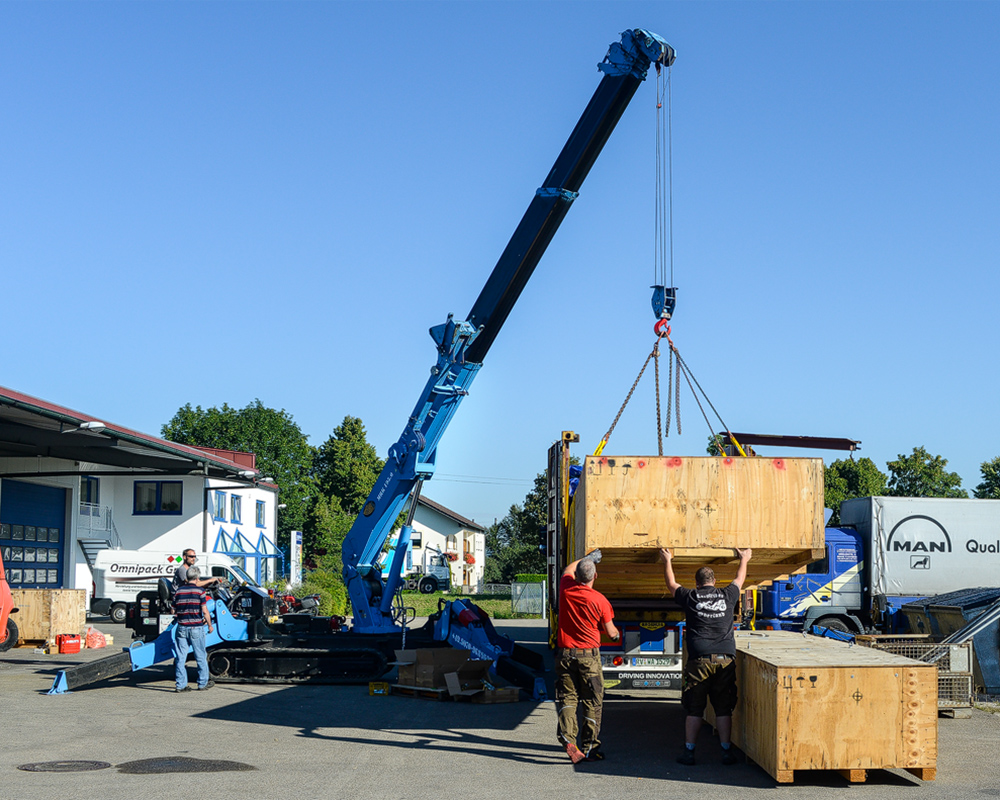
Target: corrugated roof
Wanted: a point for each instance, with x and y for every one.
(30, 426)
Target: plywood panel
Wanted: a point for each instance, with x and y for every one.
(701, 508)
(45, 613)
(650, 501)
(639, 573)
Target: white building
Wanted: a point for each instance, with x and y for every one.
(71, 485)
(439, 530)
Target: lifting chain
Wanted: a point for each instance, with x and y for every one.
(673, 411)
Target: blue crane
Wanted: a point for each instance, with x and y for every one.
(247, 643)
(463, 344)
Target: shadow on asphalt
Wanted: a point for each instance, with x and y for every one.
(641, 737)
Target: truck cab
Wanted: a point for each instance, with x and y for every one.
(829, 593)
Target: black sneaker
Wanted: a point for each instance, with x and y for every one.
(728, 756)
(185, 689)
(594, 755)
(208, 685)
(686, 758)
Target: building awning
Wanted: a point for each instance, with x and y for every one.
(31, 428)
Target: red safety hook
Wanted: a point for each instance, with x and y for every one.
(662, 328)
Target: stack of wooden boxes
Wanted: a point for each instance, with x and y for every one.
(805, 702)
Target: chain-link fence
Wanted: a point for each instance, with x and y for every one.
(496, 588)
(528, 598)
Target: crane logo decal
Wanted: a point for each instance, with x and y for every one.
(919, 534)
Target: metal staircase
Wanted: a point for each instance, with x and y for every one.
(96, 531)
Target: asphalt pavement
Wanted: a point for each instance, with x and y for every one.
(253, 741)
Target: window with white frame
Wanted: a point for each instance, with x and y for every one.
(417, 539)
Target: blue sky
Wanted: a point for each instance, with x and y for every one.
(212, 202)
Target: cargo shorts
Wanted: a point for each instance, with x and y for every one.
(711, 677)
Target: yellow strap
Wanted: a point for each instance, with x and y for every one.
(738, 445)
(600, 447)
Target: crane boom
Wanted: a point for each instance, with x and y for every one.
(462, 344)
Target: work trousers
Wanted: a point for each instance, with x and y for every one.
(579, 685)
(190, 637)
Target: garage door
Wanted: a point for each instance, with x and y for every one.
(32, 534)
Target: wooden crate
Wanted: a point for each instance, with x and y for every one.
(45, 613)
(701, 508)
(808, 703)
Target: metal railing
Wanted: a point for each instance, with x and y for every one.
(528, 598)
(97, 522)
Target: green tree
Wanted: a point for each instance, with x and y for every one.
(345, 469)
(347, 465)
(847, 478)
(922, 475)
(990, 487)
(326, 527)
(513, 543)
(282, 450)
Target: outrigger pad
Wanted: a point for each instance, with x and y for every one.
(84, 674)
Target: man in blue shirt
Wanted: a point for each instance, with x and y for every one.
(191, 615)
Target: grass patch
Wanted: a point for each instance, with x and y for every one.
(496, 605)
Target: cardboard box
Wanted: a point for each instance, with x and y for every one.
(502, 694)
(469, 679)
(427, 667)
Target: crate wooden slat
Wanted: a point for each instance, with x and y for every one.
(701, 508)
(808, 703)
(45, 613)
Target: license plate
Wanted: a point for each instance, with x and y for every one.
(648, 662)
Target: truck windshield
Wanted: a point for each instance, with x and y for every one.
(243, 576)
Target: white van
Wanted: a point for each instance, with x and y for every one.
(119, 575)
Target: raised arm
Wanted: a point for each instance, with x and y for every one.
(668, 570)
(741, 573)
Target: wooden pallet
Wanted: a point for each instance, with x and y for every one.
(21, 643)
(419, 691)
(855, 775)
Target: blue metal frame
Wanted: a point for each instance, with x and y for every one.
(219, 510)
(239, 546)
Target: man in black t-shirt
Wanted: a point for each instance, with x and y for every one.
(710, 671)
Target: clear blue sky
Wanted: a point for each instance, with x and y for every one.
(212, 202)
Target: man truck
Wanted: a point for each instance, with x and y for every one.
(887, 552)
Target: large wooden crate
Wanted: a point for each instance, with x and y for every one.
(43, 614)
(701, 508)
(808, 703)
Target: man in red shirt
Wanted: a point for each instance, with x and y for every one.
(583, 614)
